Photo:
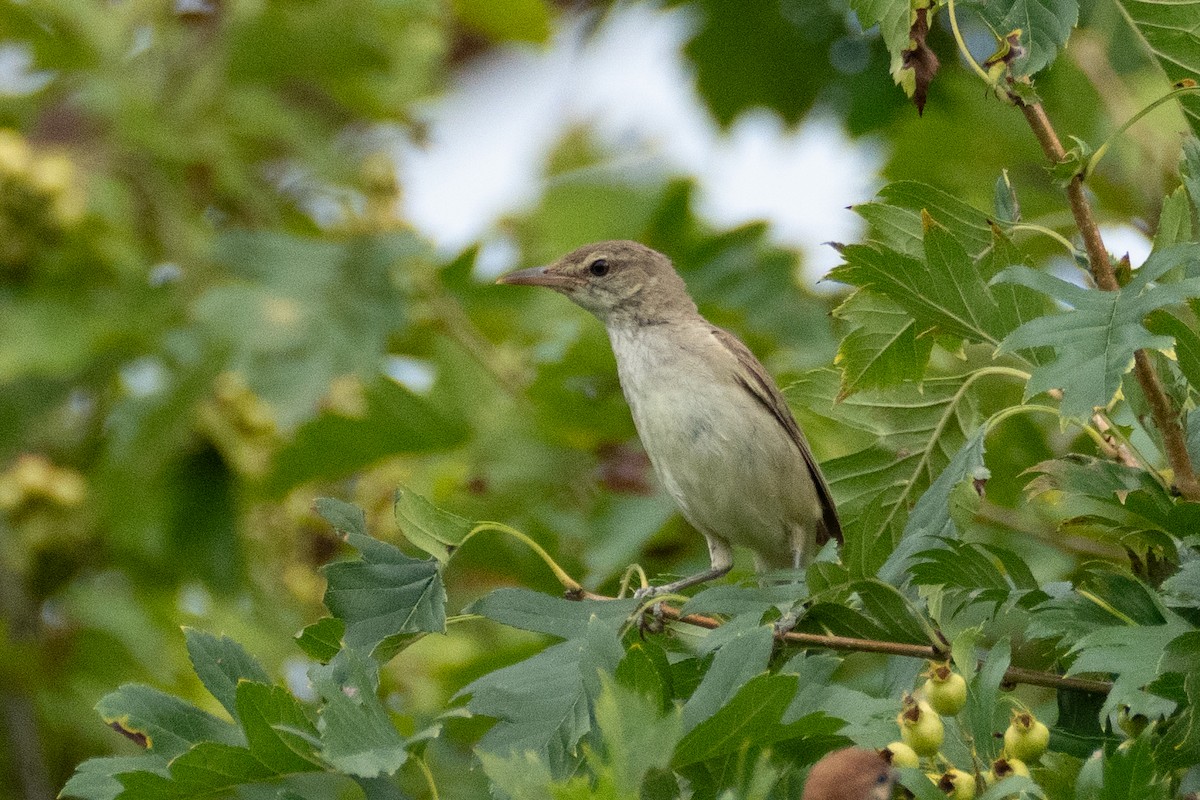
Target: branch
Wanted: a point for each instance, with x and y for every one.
(1013, 675)
(1166, 417)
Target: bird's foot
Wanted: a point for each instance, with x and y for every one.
(651, 619)
(784, 625)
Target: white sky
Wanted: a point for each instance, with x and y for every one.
(488, 138)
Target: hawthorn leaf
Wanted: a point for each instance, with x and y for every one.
(161, 723)
(1094, 342)
(356, 734)
(1045, 27)
(221, 663)
(884, 347)
(1169, 30)
(430, 528)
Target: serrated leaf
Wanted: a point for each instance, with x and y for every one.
(883, 348)
(276, 728)
(220, 663)
(737, 661)
(984, 715)
(1045, 27)
(892, 611)
(645, 670)
(636, 737)
(1094, 343)
(751, 718)
(919, 429)
(322, 640)
(542, 702)
(357, 735)
(892, 17)
(208, 769)
(1130, 774)
(163, 724)
(1189, 164)
(943, 288)
(1174, 221)
(96, 778)
(430, 528)
(541, 613)
(1169, 30)
(896, 218)
(1122, 650)
(385, 597)
(930, 520)
(1187, 342)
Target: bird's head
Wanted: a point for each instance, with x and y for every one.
(621, 282)
(850, 774)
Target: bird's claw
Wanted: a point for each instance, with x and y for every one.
(651, 619)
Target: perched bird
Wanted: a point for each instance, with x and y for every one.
(850, 774)
(722, 440)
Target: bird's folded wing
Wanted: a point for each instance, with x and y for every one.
(753, 376)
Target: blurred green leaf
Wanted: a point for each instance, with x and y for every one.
(506, 20)
(1167, 30)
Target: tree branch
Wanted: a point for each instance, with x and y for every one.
(1013, 675)
(1166, 417)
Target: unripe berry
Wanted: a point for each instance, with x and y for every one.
(1026, 738)
(957, 784)
(898, 754)
(1007, 767)
(920, 727)
(945, 690)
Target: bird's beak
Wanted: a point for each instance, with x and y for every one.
(538, 276)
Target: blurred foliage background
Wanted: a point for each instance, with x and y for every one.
(213, 308)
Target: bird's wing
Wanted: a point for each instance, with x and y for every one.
(753, 376)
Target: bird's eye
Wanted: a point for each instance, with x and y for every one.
(883, 778)
(599, 267)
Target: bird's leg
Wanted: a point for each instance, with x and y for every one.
(721, 558)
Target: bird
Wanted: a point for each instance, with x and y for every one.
(850, 774)
(719, 434)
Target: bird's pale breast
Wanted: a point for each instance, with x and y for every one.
(724, 458)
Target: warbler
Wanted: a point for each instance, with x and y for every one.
(720, 435)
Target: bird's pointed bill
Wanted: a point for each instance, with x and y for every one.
(538, 276)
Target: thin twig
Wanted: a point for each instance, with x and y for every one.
(850, 644)
(1166, 418)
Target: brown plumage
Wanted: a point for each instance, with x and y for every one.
(850, 774)
(718, 431)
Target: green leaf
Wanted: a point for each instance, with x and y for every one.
(1187, 342)
(278, 732)
(333, 445)
(892, 611)
(1008, 210)
(751, 718)
(541, 613)
(635, 735)
(542, 703)
(322, 640)
(1122, 650)
(896, 221)
(1174, 221)
(893, 19)
(645, 670)
(943, 287)
(96, 778)
(343, 516)
(985, 714)
(1095, 342)
(883, 348)
(918, 429)
(1189, 165)
(1045, 27)
(163, 724)
(1130, 774)
(357, 735)
(385, 597)
(208, 769)
(221, 663)
(304, 312)
(430, 528)
(737, 662)
(931, 520)
(1169, 30)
